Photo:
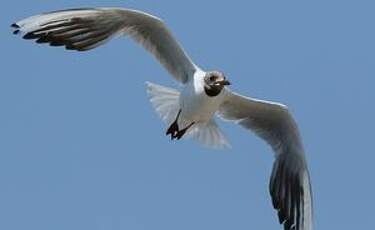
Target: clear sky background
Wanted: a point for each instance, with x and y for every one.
(82, 148)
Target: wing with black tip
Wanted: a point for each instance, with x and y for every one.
(289, 187)
(87, 28)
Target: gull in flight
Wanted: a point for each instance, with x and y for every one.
(190, 111)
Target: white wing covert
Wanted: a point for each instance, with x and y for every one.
(289, 186)
(87, 28)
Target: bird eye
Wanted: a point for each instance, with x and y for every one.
(212, 78)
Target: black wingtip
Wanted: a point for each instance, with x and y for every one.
(42, 39)
(56, 43)
(30, 35)
(70, 47)
(14, 25)
(281, 217)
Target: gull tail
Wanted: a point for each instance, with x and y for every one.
(164, 100)
(209, 135)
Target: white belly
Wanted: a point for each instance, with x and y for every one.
(196, 106)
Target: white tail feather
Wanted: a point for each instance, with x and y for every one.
(209, 135)
(164, 100)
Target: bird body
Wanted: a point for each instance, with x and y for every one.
(191, 112)
(196, 105)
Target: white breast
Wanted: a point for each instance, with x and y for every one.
(195, 105)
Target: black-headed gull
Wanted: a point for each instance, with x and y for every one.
(204, 94)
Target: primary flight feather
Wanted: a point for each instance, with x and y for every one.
(190, 112)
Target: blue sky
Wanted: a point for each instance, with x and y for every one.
(81, 147)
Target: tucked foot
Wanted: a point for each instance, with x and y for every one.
(173, 130)
(181, 133)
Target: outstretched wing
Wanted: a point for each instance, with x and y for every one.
(289, 184)
(85, 29)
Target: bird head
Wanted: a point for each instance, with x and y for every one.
(214, 82)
